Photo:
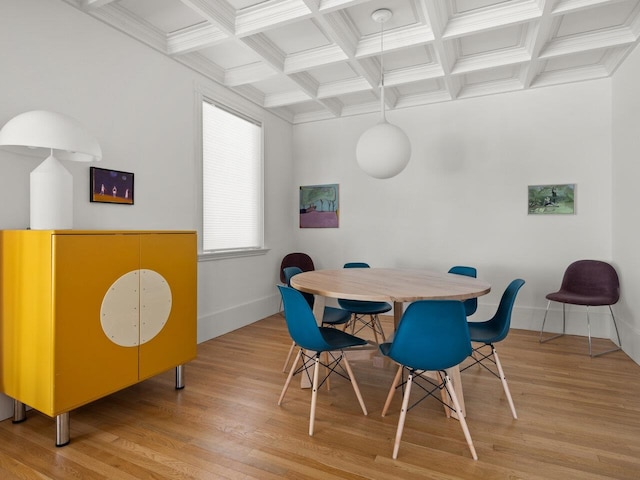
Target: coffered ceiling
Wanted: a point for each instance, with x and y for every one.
(307, 60)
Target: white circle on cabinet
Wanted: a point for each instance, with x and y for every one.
(136, 307)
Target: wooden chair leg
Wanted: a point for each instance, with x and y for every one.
(403, 415)
(286, 362)
(463, 422)
(314, 395)
(290, 376)
(504, 383)
(392, 390)
(347, 366)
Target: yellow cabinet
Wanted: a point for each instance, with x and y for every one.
(86, 313)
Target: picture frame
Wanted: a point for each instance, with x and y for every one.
(111, 186)
(319, 206)
(556, 199)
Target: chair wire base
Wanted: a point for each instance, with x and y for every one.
(373, 323)
(332, 364)
(429, 388)
(591, 354)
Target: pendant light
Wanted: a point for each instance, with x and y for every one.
(383, 151)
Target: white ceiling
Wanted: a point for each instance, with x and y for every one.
(307, 60)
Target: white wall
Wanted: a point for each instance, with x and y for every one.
(463, 197)
(626, 172)
(140, 105)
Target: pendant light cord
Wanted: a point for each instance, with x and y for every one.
(382, 105)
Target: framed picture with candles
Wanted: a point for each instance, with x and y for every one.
(111, 186)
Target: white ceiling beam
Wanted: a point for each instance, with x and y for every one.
(202, 65)
(285, 98)
(395, 40)
(87, 4)
(194, 38)
(437, 96)
(314, 58)
(326, 6)
(599, 39)
(538, 35)
(218, 13)
(505, 14)
(445, 54)
(490, 88)
(271, 54)
(563, 7)
(268, 15)
(246, 74)
(557, 77)
(484, 61)
(413, 74)
(343, 87)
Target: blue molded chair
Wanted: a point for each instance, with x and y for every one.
(470, 305)
(432, 336)
(314, 339)
(361, 309)
(332, 316)
(492, 331)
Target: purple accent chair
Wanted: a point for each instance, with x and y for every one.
(590, 283)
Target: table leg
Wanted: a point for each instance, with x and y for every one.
(318, 312)
(398, 307)
(453, 372)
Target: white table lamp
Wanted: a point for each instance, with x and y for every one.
(62, 137)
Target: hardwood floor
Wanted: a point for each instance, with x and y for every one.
(579, 418)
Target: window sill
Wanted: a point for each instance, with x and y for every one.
(211, 256)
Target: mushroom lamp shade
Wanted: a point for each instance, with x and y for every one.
(383, 151)
(41, 133)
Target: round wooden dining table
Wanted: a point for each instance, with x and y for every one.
(396, 285)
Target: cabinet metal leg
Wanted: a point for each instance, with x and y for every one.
(62, 429)
(179, 377)
(19, 412)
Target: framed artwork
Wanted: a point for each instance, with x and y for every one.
(111, 186)
(319, 206)
(552, 199)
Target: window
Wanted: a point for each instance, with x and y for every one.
(232, 192)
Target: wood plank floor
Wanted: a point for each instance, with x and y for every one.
(579, 418)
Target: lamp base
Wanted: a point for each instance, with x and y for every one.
(51, 196)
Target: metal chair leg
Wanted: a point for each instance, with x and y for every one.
(615, 325)
(543, 340)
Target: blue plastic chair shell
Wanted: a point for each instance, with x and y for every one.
(332, 315)
(304, 330)
(470, 305)
(496, 328)
(432, 335)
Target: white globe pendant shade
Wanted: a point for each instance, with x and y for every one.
(383, 151)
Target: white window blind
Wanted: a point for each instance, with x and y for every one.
(232, 181)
